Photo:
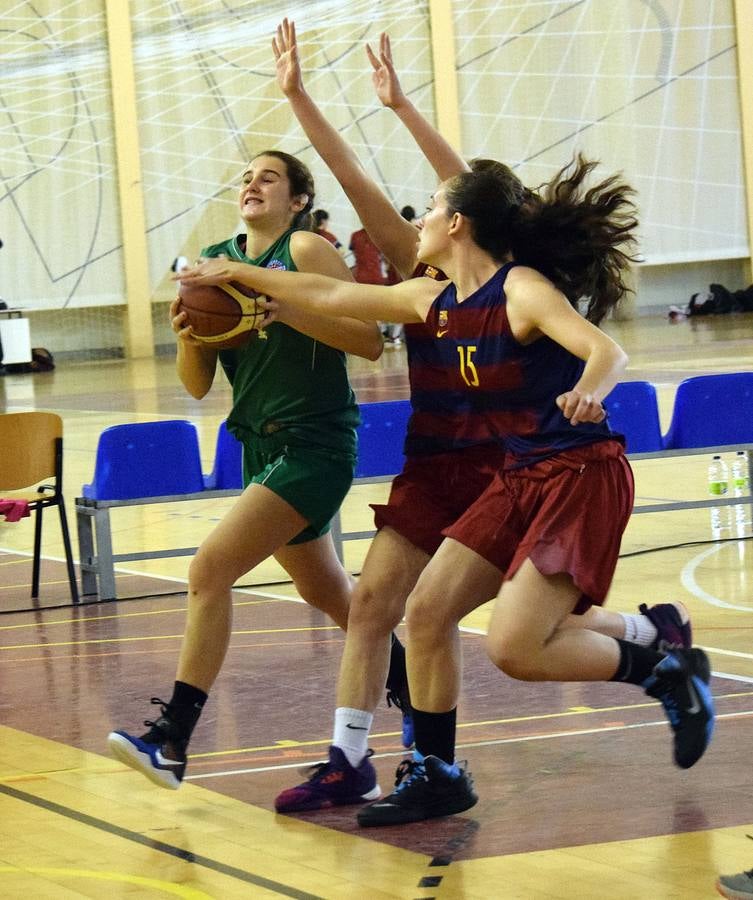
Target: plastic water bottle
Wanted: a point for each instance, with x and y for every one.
(741, 488)
(719, 487)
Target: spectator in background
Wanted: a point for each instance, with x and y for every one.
(368, 267)
(321, 225)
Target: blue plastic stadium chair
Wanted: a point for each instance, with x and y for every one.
(634, 412)
(227, 473)
(381, 436)
(146, 459)
(712, 411)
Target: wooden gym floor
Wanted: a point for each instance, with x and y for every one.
(578, 794)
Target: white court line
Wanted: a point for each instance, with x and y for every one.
(745, 678)
(688, 579)
(737, 653)
(463, 746)
(267, 595)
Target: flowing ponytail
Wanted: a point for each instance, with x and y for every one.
(578, 237)
(581, 238)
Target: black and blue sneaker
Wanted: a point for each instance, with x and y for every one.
(425, 788)
(401, 700)
(160, 754)
(681, 682)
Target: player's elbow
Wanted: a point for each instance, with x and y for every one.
(198, 394)
(621, 359)
(370, 350)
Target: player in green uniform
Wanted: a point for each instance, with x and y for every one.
(296, 415)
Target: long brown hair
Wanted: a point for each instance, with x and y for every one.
(579, 237)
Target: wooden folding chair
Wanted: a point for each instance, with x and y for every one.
(31, 469)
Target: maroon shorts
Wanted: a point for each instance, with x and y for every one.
(433, 491)
(565, 514)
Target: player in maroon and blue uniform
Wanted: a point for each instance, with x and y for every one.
(455, 450)
(505, 360)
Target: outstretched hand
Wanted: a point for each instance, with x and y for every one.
(216, 270)
(288, 67)
(384, 77)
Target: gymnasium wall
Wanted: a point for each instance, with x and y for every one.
(647, 86)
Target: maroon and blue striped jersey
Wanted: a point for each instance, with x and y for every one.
(473, 383)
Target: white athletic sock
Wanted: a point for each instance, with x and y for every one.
(639, 629)
(352, 727)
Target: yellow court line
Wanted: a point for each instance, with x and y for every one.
(513, 720)
(261, 645)
(151, 612)
(25, 585)
(166, 887)
(160, 637)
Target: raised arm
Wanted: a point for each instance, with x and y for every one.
(395, 237)
(439, 154)
(408, 301)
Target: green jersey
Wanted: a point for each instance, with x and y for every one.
(283, 379)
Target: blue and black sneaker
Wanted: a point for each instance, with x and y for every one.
(425, 788)
(401, 700)
(160, 754)
(681, 682)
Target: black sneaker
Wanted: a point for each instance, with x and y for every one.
(424, 789)
(681, 682)
(160, 754)
(401, 700)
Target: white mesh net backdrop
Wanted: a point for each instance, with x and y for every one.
(647, 86)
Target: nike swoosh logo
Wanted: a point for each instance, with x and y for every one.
(355, 727)
(696, 707)
(442, 333)
(164, 761)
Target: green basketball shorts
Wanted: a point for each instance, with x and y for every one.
(313, 480)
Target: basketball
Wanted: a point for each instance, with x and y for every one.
(221, 315)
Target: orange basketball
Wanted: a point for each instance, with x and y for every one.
(221, 315)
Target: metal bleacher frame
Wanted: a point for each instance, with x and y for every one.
(96, 557)
(632, 406)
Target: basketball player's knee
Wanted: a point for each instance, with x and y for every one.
(512, 658)
(206, 575)
(424, 621)
(372, 610)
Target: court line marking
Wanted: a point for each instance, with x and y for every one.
(160, 637)
(510, 720)
(166, 887)
(737, 653)
(120, 615)
(170, 849)
(689, 582)
(468, 746)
